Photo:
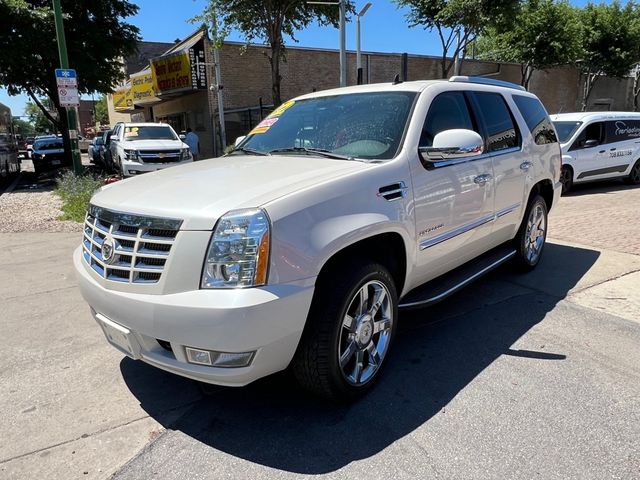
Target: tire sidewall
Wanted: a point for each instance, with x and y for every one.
(566, 186)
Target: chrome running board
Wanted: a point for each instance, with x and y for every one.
(440, 288)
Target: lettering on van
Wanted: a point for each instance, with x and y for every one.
(620, 153)
(623, 129)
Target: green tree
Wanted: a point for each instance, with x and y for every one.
(97, 40)
(610, 43)
(458, 22)
(543, 34)
(37, 117)
(269, 21)
(23, 127)
(101, 111)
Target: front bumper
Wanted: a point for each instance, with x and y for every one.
(130, 168)
(268, 320)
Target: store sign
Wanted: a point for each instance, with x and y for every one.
(180, 71)
(142, 90)
(123, 99)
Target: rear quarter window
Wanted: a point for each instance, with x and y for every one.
(621, 130)
(501, 130)
(536, 118)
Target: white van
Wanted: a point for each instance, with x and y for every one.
(598, 146)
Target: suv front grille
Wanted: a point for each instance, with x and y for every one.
(138, 247)
(160, 156)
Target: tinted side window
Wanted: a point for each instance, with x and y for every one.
(536, 119)
(497, 119)
(593, 131)
(447, 111)
(621, 130)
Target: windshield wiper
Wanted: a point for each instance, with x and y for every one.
(250, 151)
(313, 151)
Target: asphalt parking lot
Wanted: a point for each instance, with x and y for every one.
(519, 376)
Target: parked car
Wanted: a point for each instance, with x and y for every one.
(598, 146)
(104, 152)
(145, 147)
(94, 149)
(299, 247)
(48, 154)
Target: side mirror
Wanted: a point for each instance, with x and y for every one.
(592, 142)
(453, 144)
(239, 140)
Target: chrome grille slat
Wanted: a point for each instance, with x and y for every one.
(140, 257)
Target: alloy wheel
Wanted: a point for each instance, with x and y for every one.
(535, 234)
(365, 333)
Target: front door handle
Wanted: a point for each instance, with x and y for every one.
(526, 166)
(482, 179)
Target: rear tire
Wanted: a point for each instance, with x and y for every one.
(634, 176)
(349, 332)
(532, 235)
(566, 178)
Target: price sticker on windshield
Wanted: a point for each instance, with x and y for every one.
(264, 125)
(282, 108)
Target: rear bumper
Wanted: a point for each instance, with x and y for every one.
(267, 320)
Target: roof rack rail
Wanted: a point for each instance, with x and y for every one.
(486, 81)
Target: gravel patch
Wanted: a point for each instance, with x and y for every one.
(33, 211)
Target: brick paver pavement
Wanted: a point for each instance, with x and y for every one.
(604, 215)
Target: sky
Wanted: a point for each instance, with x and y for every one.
(384, 29)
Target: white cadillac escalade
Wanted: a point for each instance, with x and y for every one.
(299, 247)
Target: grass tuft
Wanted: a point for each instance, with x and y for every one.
(76, 191)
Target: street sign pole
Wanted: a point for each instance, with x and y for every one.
(72, 121)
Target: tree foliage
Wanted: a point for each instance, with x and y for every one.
(101, 111)
(465, 19)
(97, 39)
(610, 43)
(543, 34)
(269, 21)
(38, 119)
(23, 127)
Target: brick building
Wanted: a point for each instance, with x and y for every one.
(246, 79)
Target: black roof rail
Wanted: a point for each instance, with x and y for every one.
(486, 81)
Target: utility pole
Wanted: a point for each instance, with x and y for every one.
(358, 49)
(218, 72)
(342, 5)
(72, 122)
(456, 60)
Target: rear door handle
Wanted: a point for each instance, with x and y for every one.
(526, 166)
(482, 179)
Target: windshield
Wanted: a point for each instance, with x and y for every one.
(48, 144)
(566, 130)
(363, 125)
(149, 133)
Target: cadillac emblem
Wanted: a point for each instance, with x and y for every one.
(108, 249)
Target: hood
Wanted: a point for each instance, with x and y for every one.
(153, 144)
(201, 192)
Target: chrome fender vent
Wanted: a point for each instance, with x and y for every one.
(393, 191)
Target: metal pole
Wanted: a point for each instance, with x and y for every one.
(223, 131)
(456, 60)
(343, 44)
(358, 52)
(64, 63)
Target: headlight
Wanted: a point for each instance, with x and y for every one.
(131, 155)
(238, 254)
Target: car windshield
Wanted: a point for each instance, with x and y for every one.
(566, 130)
(360, 125)
(48, 144)
(149, 133)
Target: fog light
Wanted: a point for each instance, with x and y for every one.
(218, 359)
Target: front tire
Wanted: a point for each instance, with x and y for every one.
(349, 332)
(634, 175)
(532, 235)
(566, 178)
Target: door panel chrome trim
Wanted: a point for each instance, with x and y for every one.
(430, 242)
(447, 163)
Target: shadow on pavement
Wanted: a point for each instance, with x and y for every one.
(601, 186)
(438, 352)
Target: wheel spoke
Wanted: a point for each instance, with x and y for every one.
(374, 356)
(363, 300)
(357, 369)
(349, 323)
(348, 353)
(381, 325)
(378, 300)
